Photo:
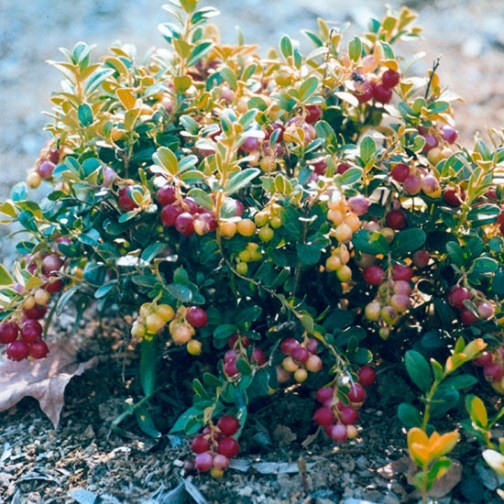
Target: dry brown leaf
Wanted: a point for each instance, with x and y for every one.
(45, 379)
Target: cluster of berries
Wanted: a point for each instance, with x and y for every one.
(339, 411)
(299, 359)
(393, 296)
(471, 305)
(239, 348)
(493, 367)
(344, 215)
(48, 160)
(415, 179)
(338, 262)
(375, 88)
(215, 446)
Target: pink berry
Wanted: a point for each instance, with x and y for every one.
(250, 144)
(412, 184)
(203, 462)
(492, 371)
(338, 432)
(258, 357)
(230, 355)
(244, 340)
(46, 169)
(230, 368)
(300, 354)
(220, 461)
(358, 205)
(430, 142)
(485, 310)
(348, 415)
(449, 134)
(51, 263)
(312, 345)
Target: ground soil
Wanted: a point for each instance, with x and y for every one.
(39, 464)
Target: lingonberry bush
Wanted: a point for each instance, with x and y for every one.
(288, 221)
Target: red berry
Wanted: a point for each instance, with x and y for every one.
(468, 317)
(258, 357)
(46, 169)
(288, 345)
(31, 331)
(348, 415)
(196, 316)
(8, 332)
(412, 184)
(250, 144)
(35, 313)
(382, 94)
(366, 94)
(483, 359)
(338, 432)
(374, 275)
(230, 355)
(324, 395)
(457, 296)
(400, 272)
(189, 205)
(492, 371)
(230, 368)
(421, 258)
(452, 197)
(245, 341)
(228, 446)
(200, 444)
(300, 354)
(396, 219)
(367, 376)
(54, 156)
(38, 349)
(342, 168)
(400, 172)
(323, 416)
(449, 134)
(356, 394)
(169, 214)
(166, 195)
(126, 202)
(313, 113)
(320, 167)
(54, 286)
(184, 224)
(17, 350)
(228, 425)
(272, 128)
(203, 462)
(391, 78)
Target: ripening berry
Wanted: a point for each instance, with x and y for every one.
(227, 229)
(333, 263)
(194, 347)
(344, 274)
(266, 234)
(343, 233)
(314, 363)
(154, 323)
(166, 312)
(246, 227)
(300, 375)
(180, 332)
(338, 432)
(33, 180)
(42, 297)
(372, 311)
(290, 365)
(220, 462)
